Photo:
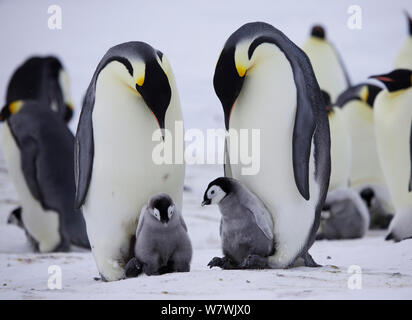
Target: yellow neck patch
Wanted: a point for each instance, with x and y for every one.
(15, 106)
(140, 81)
(364, 93)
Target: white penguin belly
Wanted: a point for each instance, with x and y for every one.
(43, 225)
(339, 150)
(124, 175)
(326, 65)
(365, 165)
(393, 115)
(268, 102)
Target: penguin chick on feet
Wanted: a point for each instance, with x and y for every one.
(246, 227)
(162, 242)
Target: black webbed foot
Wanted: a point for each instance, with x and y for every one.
(224, 263)
(253, 261)
(133, 268)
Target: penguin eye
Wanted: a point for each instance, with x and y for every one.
(213, 192)
(170, 211)
(156, 213)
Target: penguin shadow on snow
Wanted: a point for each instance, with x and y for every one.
(162, 244)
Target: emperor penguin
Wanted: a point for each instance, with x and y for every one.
(344, 215)
(265, 82)
(393, 116)
(45, 80)
(366, 175)
(404, 58)
(130, 110)
(326, 62)
(246, 227)
(340, 145)
(39, 149)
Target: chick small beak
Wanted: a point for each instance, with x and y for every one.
(205, 203)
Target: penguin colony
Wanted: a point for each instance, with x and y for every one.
(335, 157)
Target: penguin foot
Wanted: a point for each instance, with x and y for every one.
(133, 268)
(254, 261)
(395, 238)
(224, 263)
(309, 262)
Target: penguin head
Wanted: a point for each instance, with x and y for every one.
(145, 71)
(217, 190)
(318, 31)
(365, 92)
(161, 208)
(236, 58)
(10, 109)
(396, 80)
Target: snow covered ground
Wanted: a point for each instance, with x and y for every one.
(191, 34)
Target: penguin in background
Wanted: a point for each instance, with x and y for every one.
(42, 79)
(344, 215)
(326, 62)
(132, 94)
(340, 146)
(257, 79)
(366, 175)
(393, 116)
(38, 149)
(404, 58)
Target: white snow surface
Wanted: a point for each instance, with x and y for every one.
(191, 34)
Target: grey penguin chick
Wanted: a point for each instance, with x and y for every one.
(162, 242)
(246, 227)
(344, 216)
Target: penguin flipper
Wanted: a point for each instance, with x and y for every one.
(84, 149)
(309, 100)
(29, 152)
(303, 131)
(262, 222)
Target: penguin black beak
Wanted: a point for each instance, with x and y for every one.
(206, 202)
(4, 113)
(68, 113)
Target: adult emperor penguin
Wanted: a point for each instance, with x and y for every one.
(264, 81)
(366, 175)
(393, 116)
(39, 149)
(131, 95)
(42, 79)
(326, 62)
(345, 215)
(340, 145)
(404, 57)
